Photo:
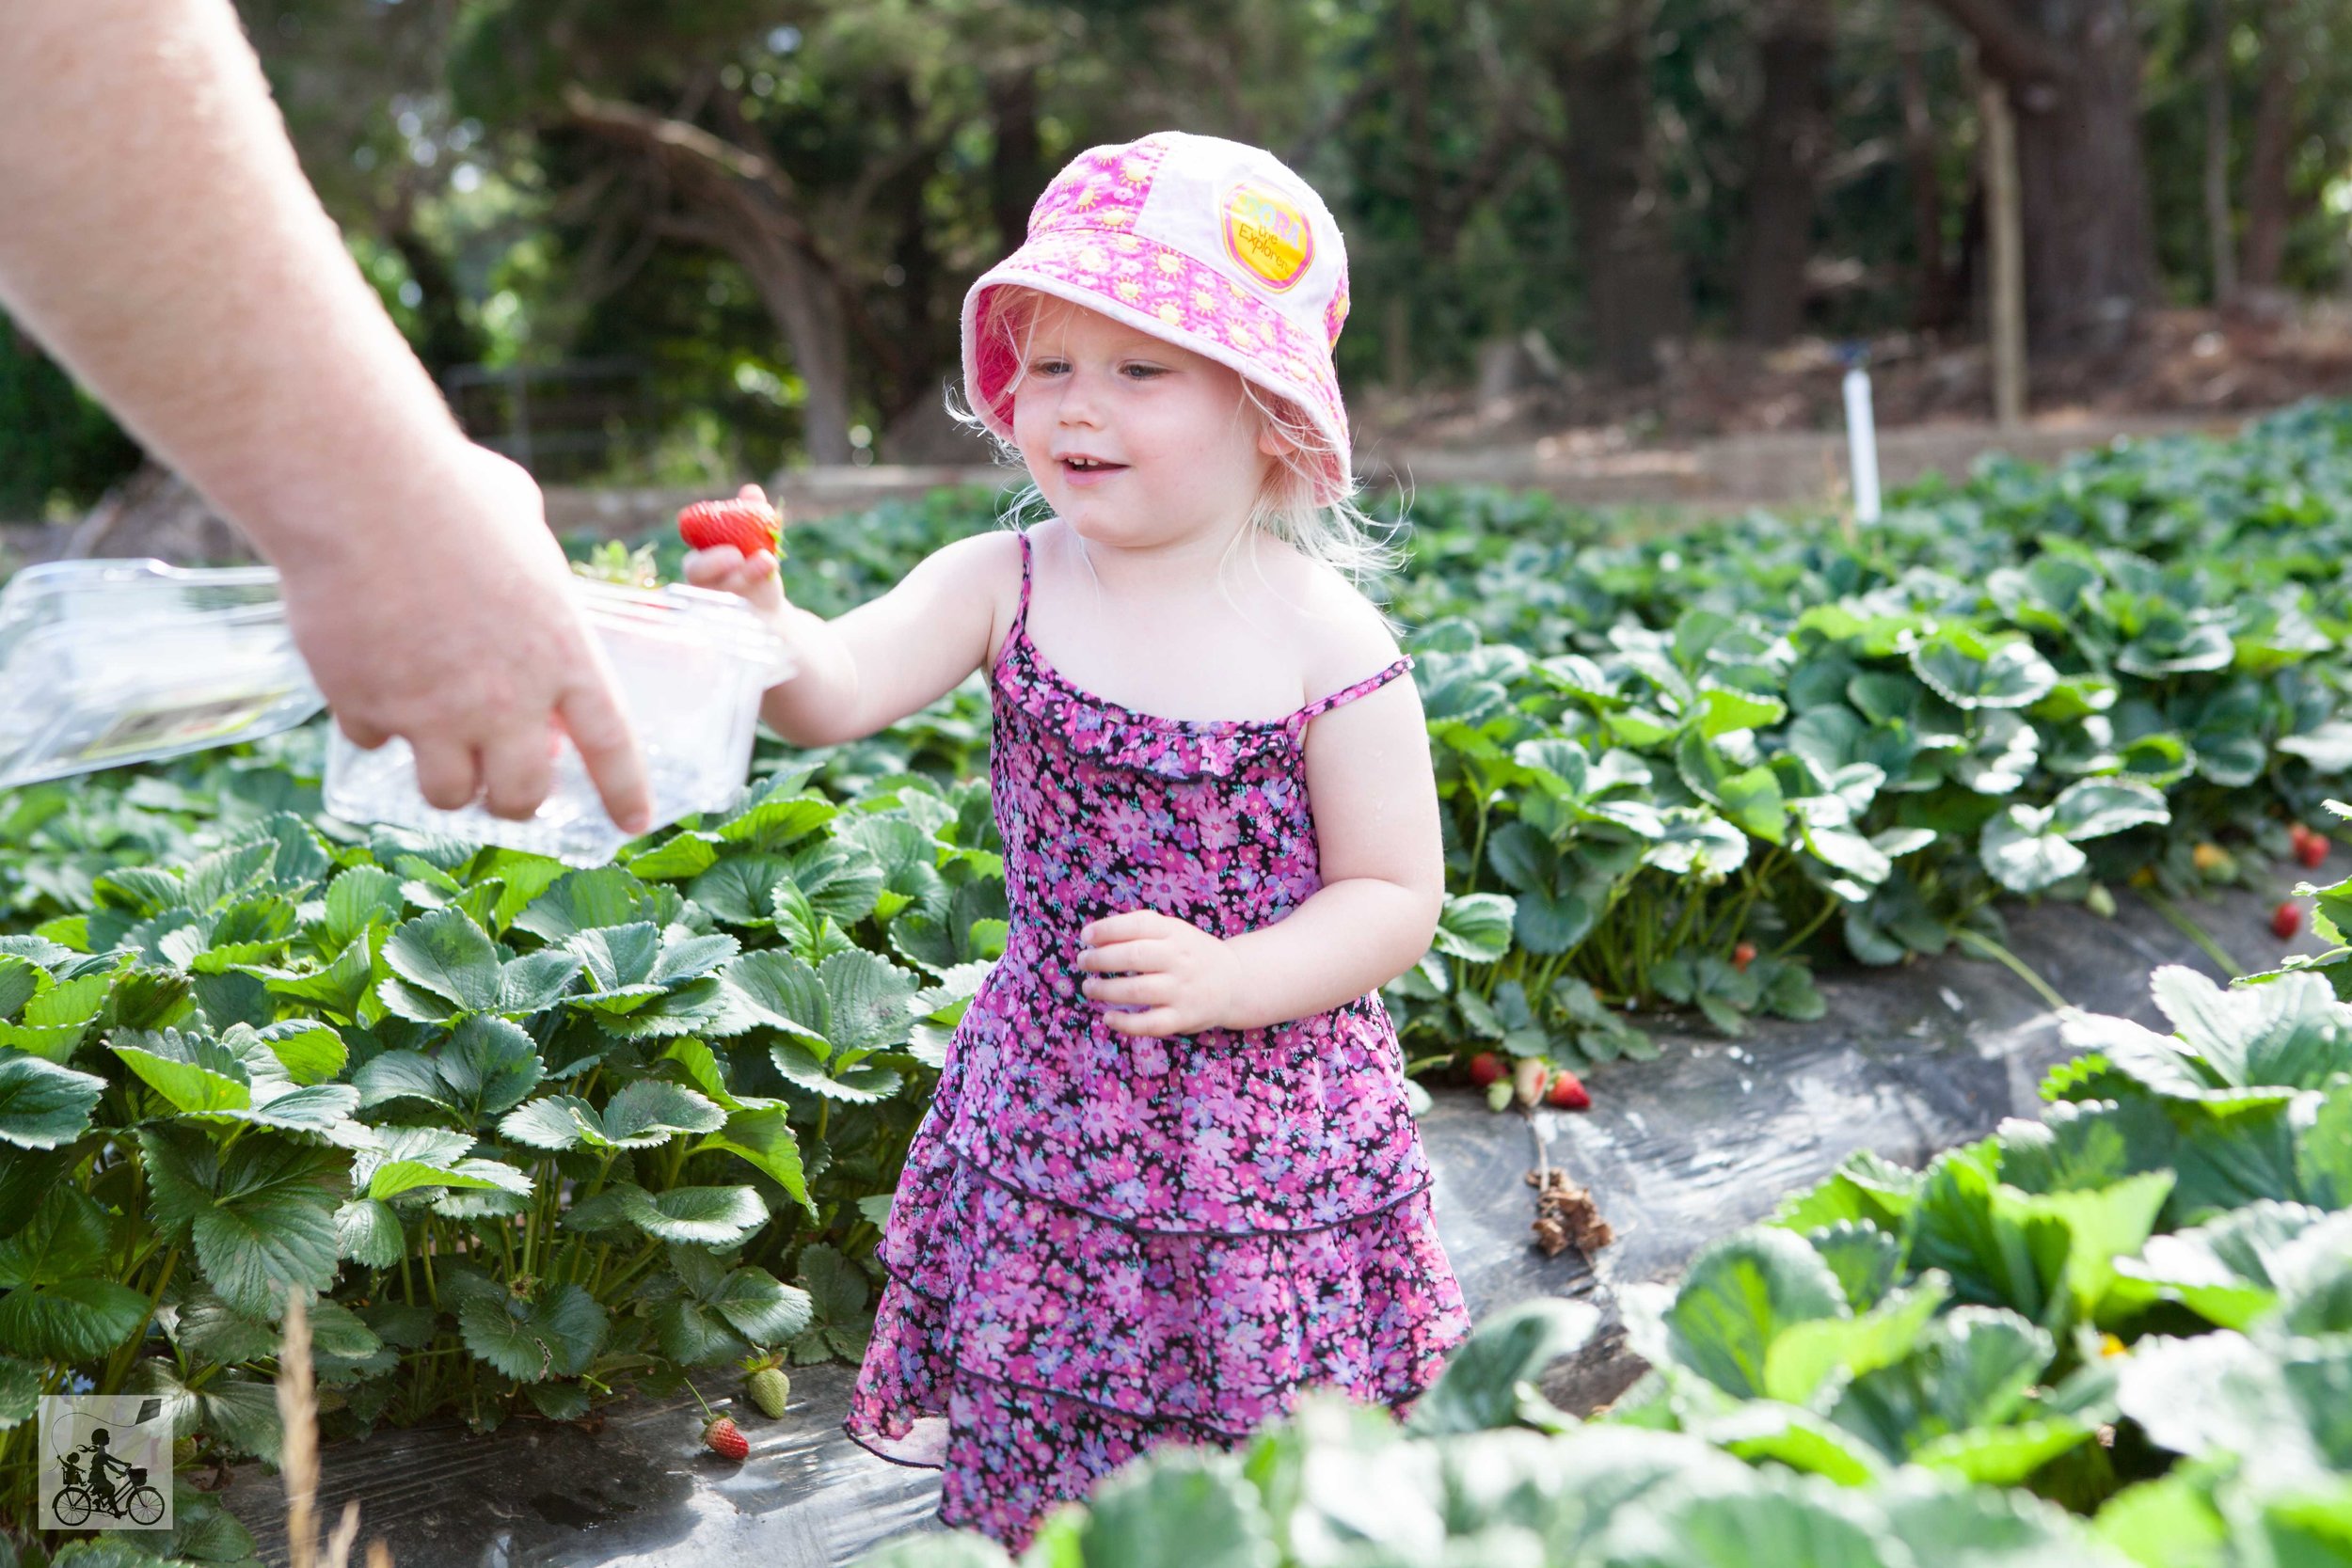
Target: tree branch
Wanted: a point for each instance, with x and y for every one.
(2008, 48)
(688, 150)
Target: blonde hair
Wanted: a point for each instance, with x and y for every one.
(1340, 535)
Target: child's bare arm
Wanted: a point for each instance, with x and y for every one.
(1377, 838)
(891, 657)
(1374, 798)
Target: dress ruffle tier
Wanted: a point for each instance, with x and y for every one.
(1050, 1312)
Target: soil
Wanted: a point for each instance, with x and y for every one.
(2199, 363)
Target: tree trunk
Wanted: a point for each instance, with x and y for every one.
(2220, 240)
(446, 341)
(1936, 303)
(2271, 155)
(737, 202)
(803, 301)
(1016, 174)
(2072, 71)
(1790, 136)
(1633, 281)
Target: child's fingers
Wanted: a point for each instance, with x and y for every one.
(725, 569)
(762, 588)
(713, 567)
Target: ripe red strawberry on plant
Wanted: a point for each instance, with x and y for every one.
(2309, 847)
(1569, 1092)
(750, 525)
(1743, 955)
(721, 1436)
(1484, 1068)
(2287, 920)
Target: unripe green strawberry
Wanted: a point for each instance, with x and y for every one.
(1530, 1077)
(769, 1387)
(1498, 1094)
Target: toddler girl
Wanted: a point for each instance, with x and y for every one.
(1169, 1177)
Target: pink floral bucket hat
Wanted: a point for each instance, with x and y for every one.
(1211, 244)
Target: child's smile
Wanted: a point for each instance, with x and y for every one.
(1100, 403)
(1086, 470)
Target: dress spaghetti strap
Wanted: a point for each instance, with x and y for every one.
(1021, 616)
(1348, 694)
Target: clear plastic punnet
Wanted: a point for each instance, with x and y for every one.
(109, 662)
(106, 662)
(691, 665)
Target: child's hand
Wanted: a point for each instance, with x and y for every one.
(1182, 976)
(725, 568)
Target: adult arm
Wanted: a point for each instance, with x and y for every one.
(157, 236)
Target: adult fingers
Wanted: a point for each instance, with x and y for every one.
(359, 732)
(518, 767)
(593, 717)
(449, 774)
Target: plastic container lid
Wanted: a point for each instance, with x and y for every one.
(108, 662)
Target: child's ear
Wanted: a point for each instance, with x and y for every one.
(1272, 442)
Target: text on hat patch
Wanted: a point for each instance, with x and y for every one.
(1266, 235)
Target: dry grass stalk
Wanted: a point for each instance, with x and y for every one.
(298, 1455)
(298, 1448)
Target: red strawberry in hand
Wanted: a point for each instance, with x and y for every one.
(750, 525)
(723, 1437)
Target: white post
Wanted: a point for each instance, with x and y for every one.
(1862, 445)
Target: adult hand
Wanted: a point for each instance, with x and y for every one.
(224, 322)
(455, 628)
(1181, 977)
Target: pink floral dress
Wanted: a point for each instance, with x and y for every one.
(1103, 1243)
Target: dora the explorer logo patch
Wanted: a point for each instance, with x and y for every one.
(1267, 234)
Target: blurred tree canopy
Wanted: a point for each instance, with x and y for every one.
(762, 217)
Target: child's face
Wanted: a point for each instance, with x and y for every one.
(1177, 446)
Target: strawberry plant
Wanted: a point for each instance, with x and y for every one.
(519, 1134)
(523, 1136)
(2119, 1336)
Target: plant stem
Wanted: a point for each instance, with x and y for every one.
(2016, 965)
(1829, 907)
(118, 1365)
(2231, 968)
